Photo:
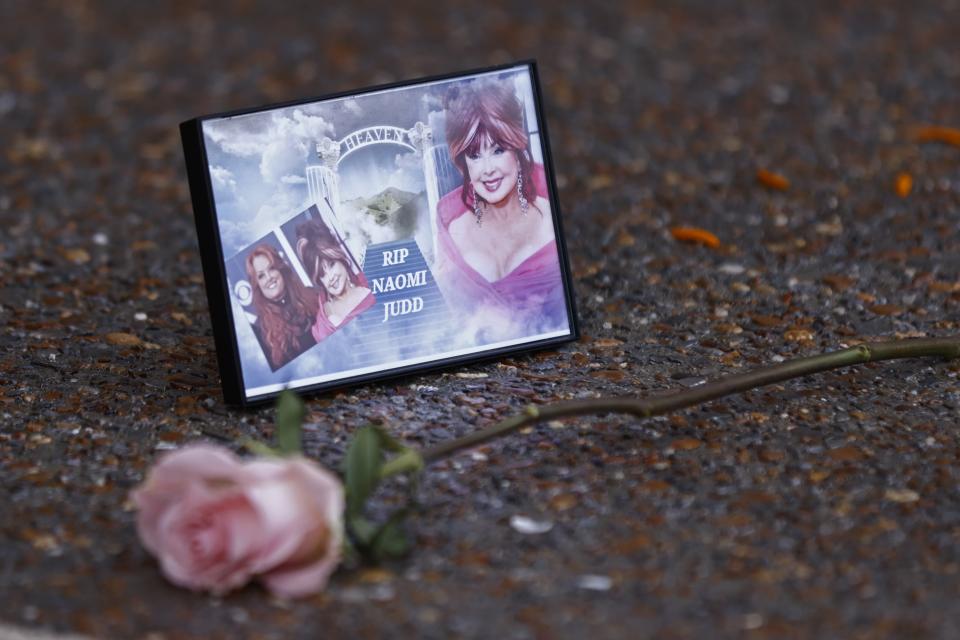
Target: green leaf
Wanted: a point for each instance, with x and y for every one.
(362, 468)
(362, 530)
(259, 449)
(407, 461)
(391, 540)
(290, 413)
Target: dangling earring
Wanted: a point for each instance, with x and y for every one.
(524, 205)
(479, 206)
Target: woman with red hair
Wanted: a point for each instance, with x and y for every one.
(344, 293)
(497, 253)
(285, 307)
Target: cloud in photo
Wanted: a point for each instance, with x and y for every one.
(408, 173)
(437, 121)
(353, 106)
(225, 187)
(243, 137)
(432, 101)
(280, 207)
(251, 135)
(223, 178)
(292, 144)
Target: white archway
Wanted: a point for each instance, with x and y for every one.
(368, 136)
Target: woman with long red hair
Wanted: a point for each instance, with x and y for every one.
(285, 307)
(497, 253)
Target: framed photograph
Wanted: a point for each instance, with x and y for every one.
(380, 232)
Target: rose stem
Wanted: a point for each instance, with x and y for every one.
(671, 401)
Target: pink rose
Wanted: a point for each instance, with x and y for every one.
(214, 521)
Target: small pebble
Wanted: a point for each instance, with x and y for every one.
(752, 621)
(902, 496)
(239, 615)
(592, 582)
(426, 388)
(731, 268)
(778, 94)
(529, 526)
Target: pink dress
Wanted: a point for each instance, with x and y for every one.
(322, 328)
(527, 301)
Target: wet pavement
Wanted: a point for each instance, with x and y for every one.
(825, 507)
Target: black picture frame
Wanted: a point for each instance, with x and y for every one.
(214, 258)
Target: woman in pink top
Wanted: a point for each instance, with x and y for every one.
(344, 293)
(497, 254)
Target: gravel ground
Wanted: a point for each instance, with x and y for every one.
(826, 507)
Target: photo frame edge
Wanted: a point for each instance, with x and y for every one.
(554, 194)
(212, 263)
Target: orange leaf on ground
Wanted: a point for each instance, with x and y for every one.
(846, 453)
(606, 343)
(798, 335)
(886, 309)
(686, 444)
(839, 282)
(696, 235)
(77, 256)
(903, 185)
(772, 180)
(934, 133)
(123, 339)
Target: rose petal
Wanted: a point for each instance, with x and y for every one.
(300, 507)
(324, 487)
(166, 482)
(283, 515)
(196, 461)
(304, 580)
(207, 540)
(173, 552)
(309, 568)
